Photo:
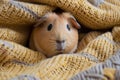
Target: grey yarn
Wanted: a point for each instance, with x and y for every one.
(25, 77)
(96, 72)
(21, 6)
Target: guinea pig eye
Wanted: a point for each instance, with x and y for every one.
(49, 27)
(68, 27)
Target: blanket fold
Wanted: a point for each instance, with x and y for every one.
(89, 15)
(97, 55)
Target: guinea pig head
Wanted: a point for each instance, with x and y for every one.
(55, 34)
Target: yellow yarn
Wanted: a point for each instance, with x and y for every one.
(109, 73)
(56, 68)
(108, 7)
(16, 19)
(15, 13)
(116, 35)
(86, 39)
(116, 2)
(16, 34)
(102, 47)
(59, 67)
(87, 14)
(13, 51)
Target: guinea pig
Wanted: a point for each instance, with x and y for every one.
(55, 34)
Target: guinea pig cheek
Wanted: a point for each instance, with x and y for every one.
(45, 42)
(71, 41)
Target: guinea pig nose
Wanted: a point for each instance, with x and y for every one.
(60, 41)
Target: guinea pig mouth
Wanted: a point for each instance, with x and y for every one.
(60, 48)
(60, 53)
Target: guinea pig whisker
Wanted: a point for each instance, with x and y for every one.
(51, 47)
(67, 46)
(53, 42)
(52, 39)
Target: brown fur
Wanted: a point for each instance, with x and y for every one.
(45, 41)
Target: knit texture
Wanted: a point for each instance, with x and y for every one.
(89, 15)
(16, 34)
(97, 56)
(108, 70)
(20, 61)
(15, 13)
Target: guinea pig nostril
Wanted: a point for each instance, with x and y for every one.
(63, 41)
(60, 41)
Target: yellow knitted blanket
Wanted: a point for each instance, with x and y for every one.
(97, 56)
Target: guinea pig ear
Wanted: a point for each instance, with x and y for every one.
(74, 23)
(40, 21)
